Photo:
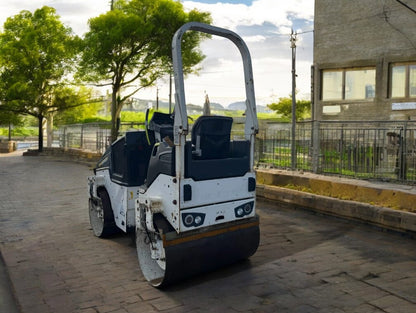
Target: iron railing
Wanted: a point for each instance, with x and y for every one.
(367, 150)
(92, 136)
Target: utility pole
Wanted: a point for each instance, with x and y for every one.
(293, 47)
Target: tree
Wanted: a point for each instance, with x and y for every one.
(9, 118)
(284, 107)
(129, 47)
(82, 105)
(36, 52)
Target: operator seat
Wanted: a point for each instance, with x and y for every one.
(211, 137)
(162, 125)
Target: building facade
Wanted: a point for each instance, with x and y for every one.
(364, 60)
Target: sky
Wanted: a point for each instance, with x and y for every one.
(265, 26)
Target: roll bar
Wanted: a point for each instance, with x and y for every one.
(181, 116)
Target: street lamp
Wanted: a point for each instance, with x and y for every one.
(293, 150)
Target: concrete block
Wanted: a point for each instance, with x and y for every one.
(408, 221)
(376, 215)
(7, 146)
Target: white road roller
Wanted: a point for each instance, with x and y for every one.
(190, 197)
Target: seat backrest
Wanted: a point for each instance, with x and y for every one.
(162, 125)
(211, 137)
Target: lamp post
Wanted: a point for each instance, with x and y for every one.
(293, 47)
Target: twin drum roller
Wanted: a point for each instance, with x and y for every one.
(190, 199)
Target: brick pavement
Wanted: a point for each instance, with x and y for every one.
(305, 263)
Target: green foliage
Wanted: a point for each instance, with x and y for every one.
(132, 44)
(271, 117)
(36, 52)
(20, 131)
(80, 107)
(7, 117)
(29, 121)
(95, 119)
(284, 108)
(136, 117)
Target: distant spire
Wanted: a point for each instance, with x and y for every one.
(207, 108)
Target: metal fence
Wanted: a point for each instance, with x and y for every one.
(366, 150)
(91, 136)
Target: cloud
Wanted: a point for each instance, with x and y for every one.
(78, 12)
(256, 38)
(278, 13)
(265, 26)
(73, 13)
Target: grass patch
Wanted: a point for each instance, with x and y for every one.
(19, 132)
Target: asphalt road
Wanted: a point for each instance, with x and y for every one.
(305, 262)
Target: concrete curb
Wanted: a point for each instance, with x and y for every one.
(396, 196)
(375, 215)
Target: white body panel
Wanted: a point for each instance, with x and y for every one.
(122, 198)
(163, 193)
(216, 191)
(216, 199)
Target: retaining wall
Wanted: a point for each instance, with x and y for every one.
(269, 186)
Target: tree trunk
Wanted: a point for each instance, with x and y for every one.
(49, 130)
(116, 106)
(40, 136)
(114, 124)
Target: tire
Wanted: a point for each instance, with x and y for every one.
(101, 216)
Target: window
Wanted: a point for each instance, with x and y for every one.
(349, 84)
(412, 80)
(403, 81)
(332, 85)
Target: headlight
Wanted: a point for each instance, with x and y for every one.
(193, 219)
(239, 212)
(198, 219)
(244, 209)
(188, 220)
(248, 208)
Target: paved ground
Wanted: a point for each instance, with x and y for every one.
(306, 263)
